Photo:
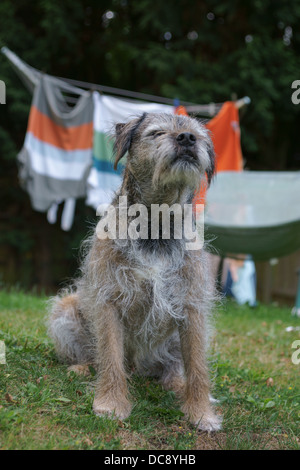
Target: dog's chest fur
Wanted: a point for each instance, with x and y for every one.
(152, 301)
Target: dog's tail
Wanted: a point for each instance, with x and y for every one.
(66, 328)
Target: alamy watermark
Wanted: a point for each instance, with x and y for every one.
(2, 353)
(2, 92)
(296, 354)
(296, 94)
(161, 221)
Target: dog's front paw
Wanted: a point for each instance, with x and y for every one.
(203, 419)
(114, 409)
(209, 422)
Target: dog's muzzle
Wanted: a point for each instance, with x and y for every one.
(186, 150)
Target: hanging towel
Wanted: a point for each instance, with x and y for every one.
(56, 157)
(57, 153)
(103, 180)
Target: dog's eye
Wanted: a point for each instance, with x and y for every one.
(155, 133)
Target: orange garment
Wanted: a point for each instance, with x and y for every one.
(46, 130)
(225, 134)
(181, 110)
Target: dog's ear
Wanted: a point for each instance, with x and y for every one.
(122, 142)
(124, 135)
(212, 159)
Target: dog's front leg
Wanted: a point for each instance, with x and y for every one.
(111, 396)
(196, 406)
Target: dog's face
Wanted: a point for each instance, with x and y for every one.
(166, 149)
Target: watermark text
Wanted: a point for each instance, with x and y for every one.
(2, 92)
(160, 221)
(296, 354)
(296, 94)
(2, 353)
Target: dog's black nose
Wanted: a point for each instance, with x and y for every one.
(186, 139)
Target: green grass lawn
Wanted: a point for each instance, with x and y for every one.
(42, 407)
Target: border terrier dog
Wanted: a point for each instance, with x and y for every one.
(145, 303)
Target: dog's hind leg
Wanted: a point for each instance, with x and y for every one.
(65, 327)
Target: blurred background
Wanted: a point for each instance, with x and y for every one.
(195, 51)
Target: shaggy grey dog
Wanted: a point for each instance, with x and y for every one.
(144, 302)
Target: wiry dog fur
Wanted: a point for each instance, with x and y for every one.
(146, 303)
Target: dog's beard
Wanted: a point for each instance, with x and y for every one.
(178, 166)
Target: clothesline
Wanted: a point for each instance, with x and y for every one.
(207, 109)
